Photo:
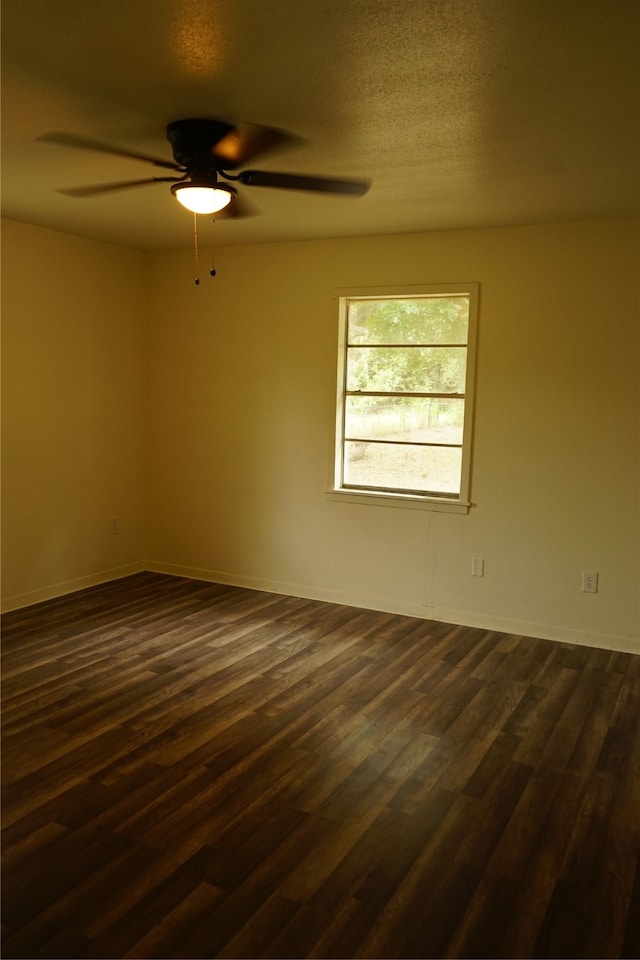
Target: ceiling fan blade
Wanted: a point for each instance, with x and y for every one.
(247, 140)
(86, 143)
(295, 181)
(99, 188)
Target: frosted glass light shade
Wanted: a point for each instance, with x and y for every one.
(201, 199)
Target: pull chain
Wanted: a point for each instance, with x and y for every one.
(195, 247)
(213, 247)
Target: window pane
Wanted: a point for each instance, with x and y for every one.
(417, 419)
(418, 320)
(407, 369)
(393, 467)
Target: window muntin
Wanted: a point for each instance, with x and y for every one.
(404, 404)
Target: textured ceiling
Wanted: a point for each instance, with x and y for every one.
(464, 113)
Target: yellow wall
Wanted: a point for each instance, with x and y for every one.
(240, 422)
(73, 405)
(241, 432)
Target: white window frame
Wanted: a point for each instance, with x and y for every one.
(445, 503)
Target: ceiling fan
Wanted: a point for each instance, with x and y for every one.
(204, 153)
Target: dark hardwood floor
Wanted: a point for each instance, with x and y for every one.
(196, 770)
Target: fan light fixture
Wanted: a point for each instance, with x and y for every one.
(204, 149)
(203, 199)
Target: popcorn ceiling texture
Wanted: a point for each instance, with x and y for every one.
(464, 113)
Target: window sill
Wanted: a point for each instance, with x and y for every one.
(411, 501)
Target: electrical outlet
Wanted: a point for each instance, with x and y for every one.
(589, 581)
(113, 525)
(477, 567)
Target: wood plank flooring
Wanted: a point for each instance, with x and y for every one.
(197, 770)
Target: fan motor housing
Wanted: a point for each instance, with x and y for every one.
(192, 141)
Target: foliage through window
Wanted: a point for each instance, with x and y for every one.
(404, 404)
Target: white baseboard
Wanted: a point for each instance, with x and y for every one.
(465, 618)
(543, 631)
(69, 586)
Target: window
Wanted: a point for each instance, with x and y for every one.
(405, 381)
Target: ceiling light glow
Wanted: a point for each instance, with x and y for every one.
(203, 199)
